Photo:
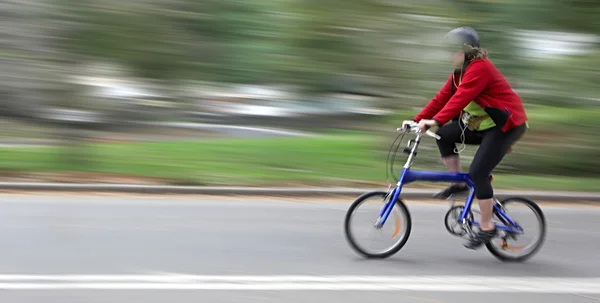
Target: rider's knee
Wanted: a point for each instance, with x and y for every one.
(482, 183)
(479, 176)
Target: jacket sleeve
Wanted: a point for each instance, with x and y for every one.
(437, 103)
(475, 80)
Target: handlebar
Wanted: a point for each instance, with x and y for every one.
(413, 127)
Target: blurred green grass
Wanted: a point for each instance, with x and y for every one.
(214, 161)
(338, 159)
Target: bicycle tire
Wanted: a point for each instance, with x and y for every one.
(498, 253)
(391, 251)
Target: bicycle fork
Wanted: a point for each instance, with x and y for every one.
(390, 199)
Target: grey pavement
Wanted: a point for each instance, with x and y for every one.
(282, 297)
(160, 235)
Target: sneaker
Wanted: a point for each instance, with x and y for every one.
(480, 238)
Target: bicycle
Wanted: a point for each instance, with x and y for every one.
(461, 215)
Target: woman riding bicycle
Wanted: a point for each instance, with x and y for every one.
(485, 111)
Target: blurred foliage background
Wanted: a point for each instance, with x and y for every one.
(101, 76)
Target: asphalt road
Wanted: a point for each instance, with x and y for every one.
(138, 249)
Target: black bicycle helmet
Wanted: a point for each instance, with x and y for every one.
(463, 35)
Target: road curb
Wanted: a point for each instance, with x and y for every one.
(408, 193)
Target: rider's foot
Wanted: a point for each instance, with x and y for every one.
(480, 238)
(453, 189)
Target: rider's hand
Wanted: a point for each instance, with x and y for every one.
(424, 125)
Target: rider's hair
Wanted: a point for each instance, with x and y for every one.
(473, 52)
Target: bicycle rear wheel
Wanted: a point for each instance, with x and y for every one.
(398, 223)
(501, 246)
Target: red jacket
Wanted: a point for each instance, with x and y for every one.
(482, 83)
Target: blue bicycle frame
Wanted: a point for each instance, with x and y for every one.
(409, 176)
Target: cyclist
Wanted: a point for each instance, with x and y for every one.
(484, 111)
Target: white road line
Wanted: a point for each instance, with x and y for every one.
(553, 285)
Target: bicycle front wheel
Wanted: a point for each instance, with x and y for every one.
(364, 215)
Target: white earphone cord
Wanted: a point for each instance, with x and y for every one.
(463, 146)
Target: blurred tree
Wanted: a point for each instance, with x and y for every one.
(282, 41)
(562, 15)
(127, 34)
(322, 46)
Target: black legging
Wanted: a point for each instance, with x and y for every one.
(494, 144)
